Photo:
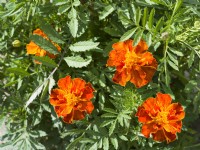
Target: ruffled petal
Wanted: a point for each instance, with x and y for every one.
(122, 77)
(65, 83)
(147, 129)
(87, 92)
(69, 118)
(32, 48)
(57, 97)
(141, 47)
(142, 115)
(78, 86)
(163, 100)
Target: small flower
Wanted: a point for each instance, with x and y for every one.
(33, 48)
(161, 118)
(133, 63)
(72, 100)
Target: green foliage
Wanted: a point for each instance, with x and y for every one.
(85, 30)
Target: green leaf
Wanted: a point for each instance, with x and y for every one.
(112, 128)
(83, 46)
(114, 142)
(110, 110)
(73, 24)
(173, 58)
(106, 122)
(18, 71)
(177, 5)
(77, 61)
(191, 59)
(159, 24)
(108, 115)
(149, 39)
(137, 16)
(151, 16)
(59, 2)
(144, 18)
(51, 84)
(105, 143)
(63, 9)
(44, 44)
(94, 146)
(37, 91)
(107, 11)
(189, 87)
(73, 143)
(123, 138)
(178, 53)
(51, 33)
(174, 66)
(128, 34)
(138, 36)
(45, 60)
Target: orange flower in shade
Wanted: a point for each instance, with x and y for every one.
(161, 118)
(34, 49)
(133, 63)
(72, 100)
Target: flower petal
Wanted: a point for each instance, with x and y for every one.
(65, 83)
(147, 129)
(163, 100)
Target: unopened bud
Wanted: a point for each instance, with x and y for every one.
(164, 35)
(197, 24)
(16, 43)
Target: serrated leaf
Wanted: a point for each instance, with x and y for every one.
(51, 33)
(114, 142)
(37, 91)
(176, 52)
(112, 128)
(151, 16)
(44, 44)
(18, 71)
(173, 65)
(77, 61)
(72, 144)
(108, 115)
(73, 26)
(63, 9)
(59, 2)
(159, 24)
(105, 143)
(107, 11)
(94, 146)
(45, 60)
(173, 58)
(137, 16)
(138, 36)
(149, 39)
(123, 138)
(191, 59)
(110, 110)
(106, 122)
(128, 34)
(177, 5)
(144, 18)
(51, 83)
(83, 46)
(190, 86)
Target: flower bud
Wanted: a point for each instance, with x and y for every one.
(16, 43)
(197, 24)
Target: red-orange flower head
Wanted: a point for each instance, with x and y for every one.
(34, 49)
(133, 63)
(72, 100)
(161, 118)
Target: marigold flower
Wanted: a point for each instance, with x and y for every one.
(72, 100)
(161, 118)
(33, 48)
(133, 63)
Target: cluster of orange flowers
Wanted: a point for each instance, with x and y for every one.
(72, 99)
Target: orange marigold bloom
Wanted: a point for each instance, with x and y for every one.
(34, 49)
(72, 100)
(161, 118)
(133, 63)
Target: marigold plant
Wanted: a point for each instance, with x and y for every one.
(101, 64)
(133, 63)
(161, 118)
